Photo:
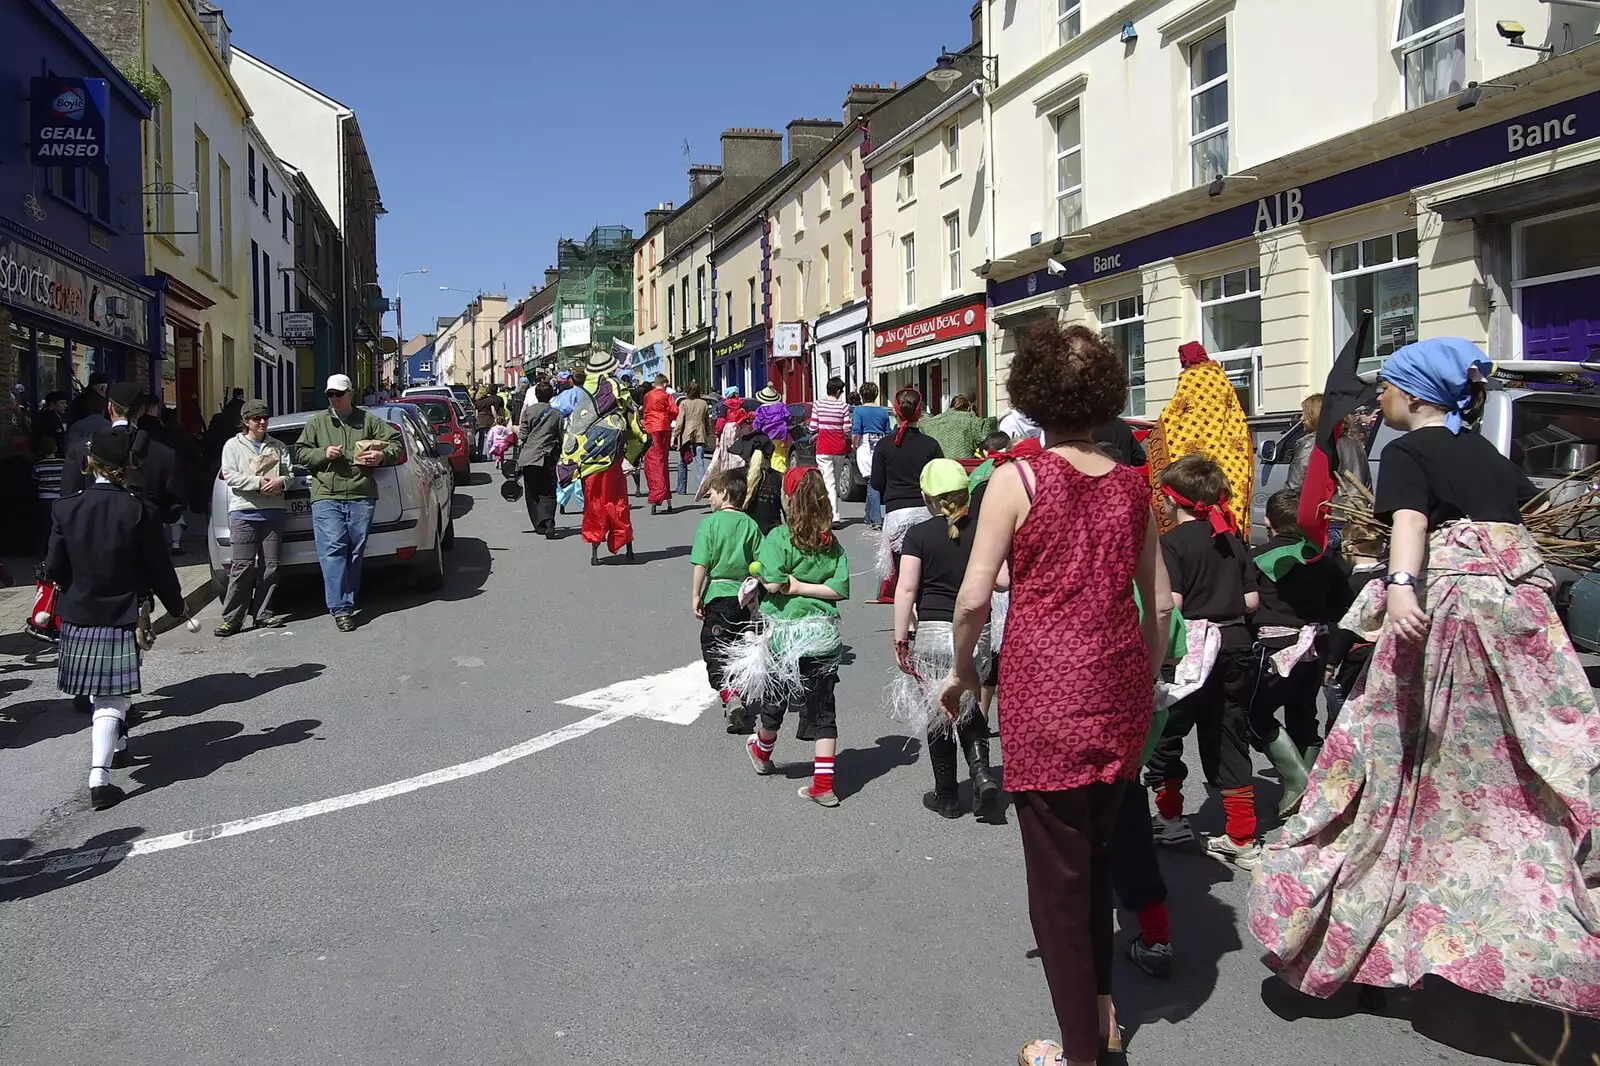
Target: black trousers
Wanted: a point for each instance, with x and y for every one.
(1067, 847)
(1296, 695)
(818, 712)
(725, 620)
(1219, 711)
(539, 490)
(1135, 871)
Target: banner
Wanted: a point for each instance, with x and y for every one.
(297, 329)
(67, 121)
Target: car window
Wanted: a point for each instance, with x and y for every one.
(1553, 436)
(288, 436)
(437, 412)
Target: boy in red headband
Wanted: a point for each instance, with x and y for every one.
(1213, 586)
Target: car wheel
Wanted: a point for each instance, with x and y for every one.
(430, 569)
(449, 540)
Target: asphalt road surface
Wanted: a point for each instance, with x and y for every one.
(627, 891)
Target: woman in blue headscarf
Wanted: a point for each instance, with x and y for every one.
(1440, 829)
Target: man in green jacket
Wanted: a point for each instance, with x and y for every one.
(344, 491)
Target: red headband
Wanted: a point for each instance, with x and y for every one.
(1022, 449)
(1219, 515)
(916, 412)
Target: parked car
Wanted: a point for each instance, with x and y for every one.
(442, 414)
(411, 526)
(428, 390)
(457, 394)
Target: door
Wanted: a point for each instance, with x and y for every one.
(1561, 319)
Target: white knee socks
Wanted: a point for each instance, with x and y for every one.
(106, 739)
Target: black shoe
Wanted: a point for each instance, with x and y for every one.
(655, 508)
(119, 758)
(944, 804)
(102, 797)
(975, 746)
(226, 629)
(629, 556)
(551, 534)
(346, 623)
(271, 621)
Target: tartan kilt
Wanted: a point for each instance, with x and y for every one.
(98, 660)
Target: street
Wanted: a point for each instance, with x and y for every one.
(610, 887)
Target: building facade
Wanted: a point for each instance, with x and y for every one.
(594, 291)
(651, 339)
(510, 355)
(74, 298)
(1273, 194)
(466, 343)
(539, 326)
(269, 206)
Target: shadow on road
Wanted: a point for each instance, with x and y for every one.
(859, 767)
(390, 589)
(678, 551)
(199, 749)
(25, 876)
(461, 504)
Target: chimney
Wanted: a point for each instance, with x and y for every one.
(701, 177)
(751, 153)
(809, 136)
(657, 215)
(551, 276)
(216, 26)
(977, 22)
(863, 98)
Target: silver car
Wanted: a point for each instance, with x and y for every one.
(411, 526)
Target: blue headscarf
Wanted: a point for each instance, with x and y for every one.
(730, 392)
(1438, 371)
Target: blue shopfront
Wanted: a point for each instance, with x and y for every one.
(740, 362)
(73, 298)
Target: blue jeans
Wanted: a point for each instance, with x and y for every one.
(697, 453)
(340, 527)
(874, 507)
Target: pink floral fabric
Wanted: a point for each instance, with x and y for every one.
(1441, 829)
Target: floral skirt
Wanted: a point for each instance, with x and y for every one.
(1441, 829)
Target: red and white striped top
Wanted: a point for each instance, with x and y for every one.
(830, 420)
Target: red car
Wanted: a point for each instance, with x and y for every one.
(440, 413)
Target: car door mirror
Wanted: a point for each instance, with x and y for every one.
(1269, 451)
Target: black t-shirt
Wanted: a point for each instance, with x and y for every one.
(944, 564)
(1448, 476)
(1211, 574)
(1308, 594)
(897, 468)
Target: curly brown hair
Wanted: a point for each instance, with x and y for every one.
(810, 515)
(1067, 379)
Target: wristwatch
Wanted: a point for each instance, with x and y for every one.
(1400, 577)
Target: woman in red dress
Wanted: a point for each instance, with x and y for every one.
(1077, 669)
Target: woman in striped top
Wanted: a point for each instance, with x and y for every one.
(830, 421)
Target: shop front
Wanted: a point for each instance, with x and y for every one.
(840, 349)
(941, 353)
(740, 362)
(691, 360)
(184, 343)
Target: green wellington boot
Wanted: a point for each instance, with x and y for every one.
(1285, 758)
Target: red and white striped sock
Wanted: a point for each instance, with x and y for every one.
(763, 748)
(822, 774)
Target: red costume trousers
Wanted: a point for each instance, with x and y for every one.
(605, 508)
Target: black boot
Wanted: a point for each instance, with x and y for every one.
(944, 800)
(594, 555)
(975, 745)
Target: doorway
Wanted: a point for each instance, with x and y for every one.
(1557, 285)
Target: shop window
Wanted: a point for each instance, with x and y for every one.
(1230, 328)
(55, 372)
(952, 251)
(952, 149)
(906, 191)
(908, 264)
(1380, 274)
(1069, 171)
(1431, 38)
(1069, 20)
(1122, 323)
(1208, 107)
(1565, 244)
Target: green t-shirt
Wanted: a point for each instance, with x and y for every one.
(725, 543)
(780, 559)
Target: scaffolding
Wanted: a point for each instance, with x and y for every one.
(594, 291)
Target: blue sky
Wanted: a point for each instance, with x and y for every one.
(496, 126)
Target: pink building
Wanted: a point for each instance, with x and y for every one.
(512, 346)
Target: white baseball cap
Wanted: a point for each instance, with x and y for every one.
(339, 383)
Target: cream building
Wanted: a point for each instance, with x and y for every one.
(1175, 171)
(929, 221)
(739, 353)
(650, 333)
(464, 346)
(684, 274)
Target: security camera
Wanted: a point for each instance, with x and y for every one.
(1055, 266)
(1511, 31)
(982, 269)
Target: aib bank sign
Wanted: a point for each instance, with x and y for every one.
(68, 121)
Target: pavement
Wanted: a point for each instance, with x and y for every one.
(398, 846)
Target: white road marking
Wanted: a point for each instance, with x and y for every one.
(677, 696)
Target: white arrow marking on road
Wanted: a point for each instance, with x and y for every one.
(677, 696)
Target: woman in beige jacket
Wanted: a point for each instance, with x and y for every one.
(691, 434)
(255, 468)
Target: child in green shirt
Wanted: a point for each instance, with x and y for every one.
(793, 660)
(725, 544)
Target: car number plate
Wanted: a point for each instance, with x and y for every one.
(299, 507)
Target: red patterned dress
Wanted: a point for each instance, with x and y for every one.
(1075, 687)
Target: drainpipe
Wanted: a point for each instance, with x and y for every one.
(987, 116)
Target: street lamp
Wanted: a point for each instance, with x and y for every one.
(472, 354)
(402, 371)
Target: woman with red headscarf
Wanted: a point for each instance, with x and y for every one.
(897, 465)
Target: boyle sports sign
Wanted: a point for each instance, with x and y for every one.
(67, 121)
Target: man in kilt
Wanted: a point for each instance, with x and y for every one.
(107, 553)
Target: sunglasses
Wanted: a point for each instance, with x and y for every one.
(255, 418)
(342, 392)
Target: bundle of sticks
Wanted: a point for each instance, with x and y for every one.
(1563, 518)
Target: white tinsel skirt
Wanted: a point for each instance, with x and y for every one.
(893, 535)
(914, 701)
(763, 663)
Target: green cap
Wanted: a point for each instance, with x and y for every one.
(943, 475)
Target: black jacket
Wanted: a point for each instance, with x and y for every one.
(107, 551)
(897, 468)
(155, 475)
(1119, 435)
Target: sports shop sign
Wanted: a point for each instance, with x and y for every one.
(67, 121)
(34, 281)
(930, 329)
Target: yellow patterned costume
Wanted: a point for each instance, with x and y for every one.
(1204, 417)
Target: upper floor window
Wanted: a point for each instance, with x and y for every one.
(827, 191)
(907, 189)
(1431, 37)
(1208, 107)
(1069, 171)
(908, 264)
(1069, 20)
(250, 155)
(800, 213)
(952, 251)
(849, 176)
(952, 149)
(672, 320)
(700, 296)
(160, 155)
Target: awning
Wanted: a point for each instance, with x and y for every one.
(1533, 196)
(925, 353)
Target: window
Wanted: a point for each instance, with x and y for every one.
(1069, 20)
(683, 304)
(752, 285)
(849, 265)
(1431, 37)
(700, 297)
(255, 284)
(672, 319)
(96, 195)
(160, 157)
(907, 190)
(952, 250)
(266, 291)
(800, 290)
(638, 306)
(287, 303)
(250, 157)
(1565, 244)
(1230, 328)
(1208, 107)
(827, 280)
(225, 218)
(652, 253)
(652, 303)
(1122, 323)
(727, 304)
(774, 308)
(283, 219)
(908, 263)
(827, 192)
(1069, 171)
(849, 189)
(227, 365)
(202, 191)
(799, 214)
(266, 194)
(1380, 274)
(952, 149)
